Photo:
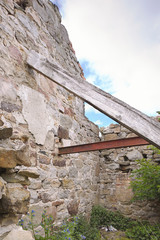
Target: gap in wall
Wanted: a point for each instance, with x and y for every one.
(97, 117)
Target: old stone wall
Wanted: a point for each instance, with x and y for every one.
(115, 170)
(36, 117)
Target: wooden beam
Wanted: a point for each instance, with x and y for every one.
(120, 143)
(116, 109)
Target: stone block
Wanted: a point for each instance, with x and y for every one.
(49, 141)
(5, 129)
(15, 178)
(15, 53)
(45, 197)
(34, 196)
(73, 207)
(51, 183)
(35, 184)
(73, 172)
(63, 133)
(122, 135)
(10, 157)
(36, 210)
(130, 135)
(110, 136)
(5, 132)
(9, 107)
(67, 183)
(44, 159)
(134, 155)
(59, 163)
(66, 142)
(16, 153)
(126, 169)
(69, 111)
(19, 234)
(124, 163)
(52, 212)
(16, 199)
(62, 173)
(65, 121)
(78, 163)
(106, 130)
(7, 90)
(31, 172)
(57, 203)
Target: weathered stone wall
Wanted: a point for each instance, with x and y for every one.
(115, 169)
(37, 116)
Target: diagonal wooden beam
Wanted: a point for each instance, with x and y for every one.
(116, 109)
(125, 142)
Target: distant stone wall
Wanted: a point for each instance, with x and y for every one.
(36, 117)
(115, 169)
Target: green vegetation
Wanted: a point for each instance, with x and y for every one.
(144, 232)
(146, 183)
(146, 180)
(102, 217)
(78, 228)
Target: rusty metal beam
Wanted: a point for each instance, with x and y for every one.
(120, 143)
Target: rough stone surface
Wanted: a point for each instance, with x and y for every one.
(37, 116)
(115, 171)
(10, 157)
(36, 113)
(63, 133)
(16, 199)
(29, 172)
(73, 207)
(15, 178)
(2, 187)
(19, 234)
(5, 128)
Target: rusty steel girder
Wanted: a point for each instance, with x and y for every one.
(120, 143)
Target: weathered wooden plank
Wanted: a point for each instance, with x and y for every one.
(118, 143)
(116, 109)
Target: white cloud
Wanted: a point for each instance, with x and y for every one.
(91, 79)
(98, 122)
(90, 109)
(121, 41)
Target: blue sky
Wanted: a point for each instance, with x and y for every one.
(117, 43)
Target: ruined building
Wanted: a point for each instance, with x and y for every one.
(37, 116)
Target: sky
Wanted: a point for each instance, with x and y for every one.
(117, 43)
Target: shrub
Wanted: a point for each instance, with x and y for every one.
(143, 232)
(85, 229)
(102, 217)
(146, 182)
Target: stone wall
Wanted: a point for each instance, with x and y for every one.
(37, 116)
(115, 169)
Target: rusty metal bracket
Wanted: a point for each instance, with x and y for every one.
(120, 143)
